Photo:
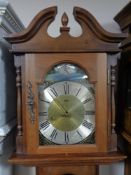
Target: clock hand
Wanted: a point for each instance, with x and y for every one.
(61, 107)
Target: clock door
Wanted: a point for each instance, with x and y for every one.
(69, 97)
(66, 106)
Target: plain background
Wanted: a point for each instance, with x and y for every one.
(103, 10)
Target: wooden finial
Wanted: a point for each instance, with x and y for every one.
(64, 19)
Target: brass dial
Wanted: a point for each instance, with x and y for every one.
(67, 112)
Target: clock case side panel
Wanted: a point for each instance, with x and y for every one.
(30, 127)
(97, 65)
(24, 102)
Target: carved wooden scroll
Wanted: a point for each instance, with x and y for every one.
(30, 102)
(93, 38)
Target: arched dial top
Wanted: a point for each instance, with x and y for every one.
(35, 38)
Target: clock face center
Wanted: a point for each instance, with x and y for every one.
(66, 112)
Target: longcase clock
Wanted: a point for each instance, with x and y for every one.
(66, 95)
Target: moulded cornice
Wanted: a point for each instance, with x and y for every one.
(94, 38)
(43, 16)
(82, 15)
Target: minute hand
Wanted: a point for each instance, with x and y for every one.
(61, 107)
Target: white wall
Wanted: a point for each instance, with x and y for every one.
(103, 10)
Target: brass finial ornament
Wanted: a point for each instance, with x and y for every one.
(64, 21)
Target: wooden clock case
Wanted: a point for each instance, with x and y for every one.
(35, 52)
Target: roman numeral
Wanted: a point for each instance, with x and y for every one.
(44, 125)
(66, 138)
(78, 91)
(45, 101)
(66, 88)
(87, 100)
(89, 112)
(87, 124)
(43, 113)
(41, 99)
(54, 91)
(79, 134)
(53, 134)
